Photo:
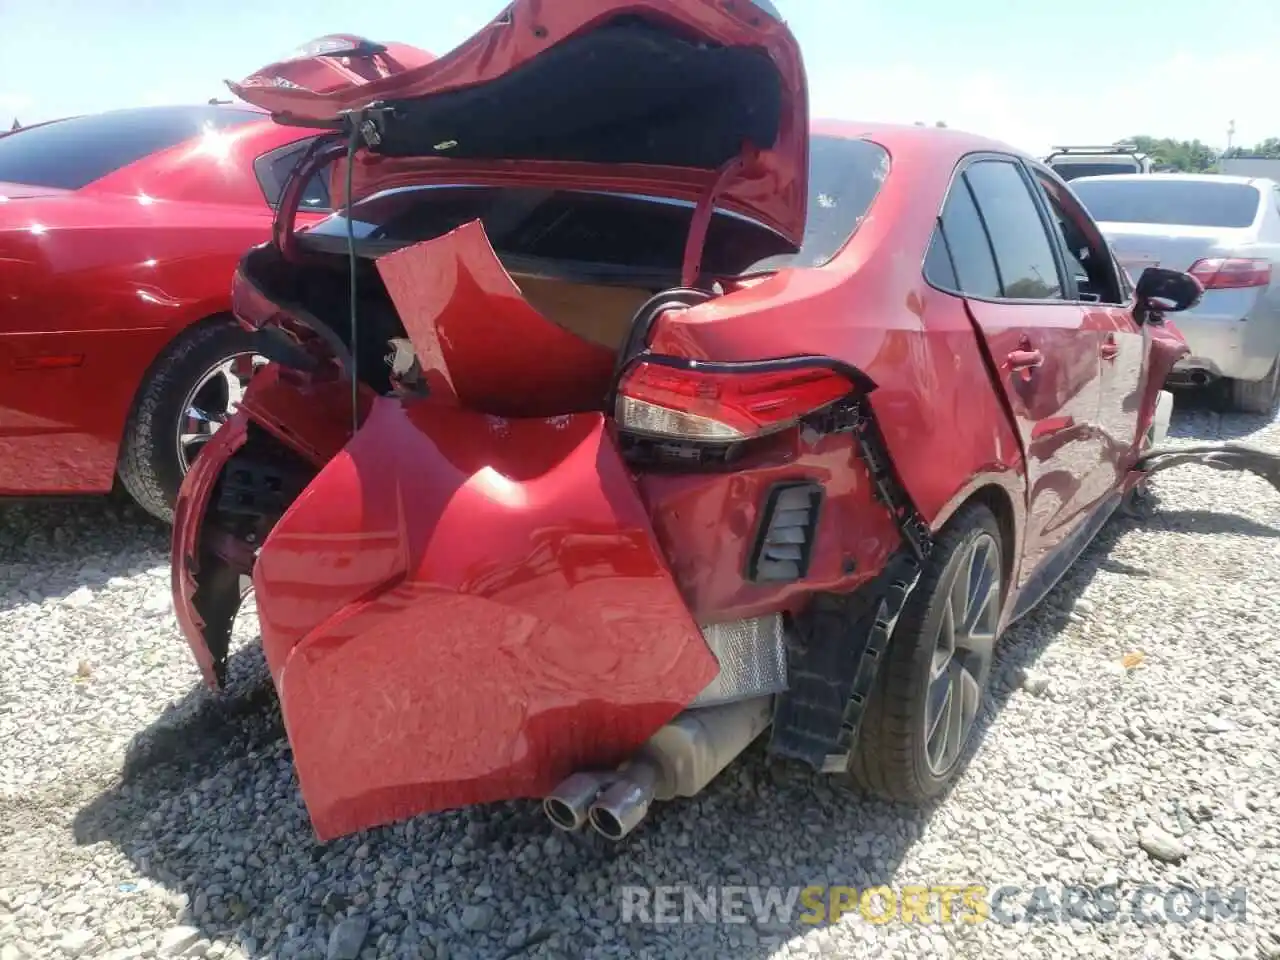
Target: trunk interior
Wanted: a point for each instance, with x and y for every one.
(600, 315)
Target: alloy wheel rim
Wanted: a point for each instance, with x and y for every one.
(211, 402)
(962, 653)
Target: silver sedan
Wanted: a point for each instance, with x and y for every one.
(1225, 231)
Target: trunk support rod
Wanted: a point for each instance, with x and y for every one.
(696, 243)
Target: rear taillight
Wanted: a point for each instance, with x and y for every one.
(1230, 273)
(693, 402)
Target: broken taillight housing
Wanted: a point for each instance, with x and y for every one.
(711, 403)
(1231, 273)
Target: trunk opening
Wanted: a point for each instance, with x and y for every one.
(432, 312)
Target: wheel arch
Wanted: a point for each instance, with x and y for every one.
(159, 355)
(998, 493)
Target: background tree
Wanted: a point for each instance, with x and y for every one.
(1182, 156)
(1269, 148)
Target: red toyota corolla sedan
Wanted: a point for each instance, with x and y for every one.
(119, 235)
(624, 417)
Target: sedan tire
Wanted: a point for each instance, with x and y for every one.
(190, 390)
(922, 711)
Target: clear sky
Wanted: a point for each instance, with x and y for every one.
(1030, 72)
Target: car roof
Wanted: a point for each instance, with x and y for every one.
(943, 140)
(237, 106)
(1177, 177)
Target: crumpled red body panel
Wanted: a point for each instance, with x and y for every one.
(479, 341)
(453, 621)
(188, 527)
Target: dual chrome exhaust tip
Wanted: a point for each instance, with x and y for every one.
(612, 804)
(679, 760)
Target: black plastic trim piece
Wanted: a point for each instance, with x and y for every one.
(817, 497)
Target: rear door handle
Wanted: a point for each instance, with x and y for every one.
(1025, 360)
(1110, 349)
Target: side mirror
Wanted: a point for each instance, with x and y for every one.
(1160, 290)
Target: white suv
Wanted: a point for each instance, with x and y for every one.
(1090, 161)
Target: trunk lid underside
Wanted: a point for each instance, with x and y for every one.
(665, 93)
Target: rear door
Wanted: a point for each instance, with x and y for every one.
(1043, 348)
(1096, 282)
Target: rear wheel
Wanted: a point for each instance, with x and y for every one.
(928, 694)
(191, 390)
(1257, 396)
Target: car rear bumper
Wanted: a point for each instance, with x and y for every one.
(457, 609)
(1229, 335)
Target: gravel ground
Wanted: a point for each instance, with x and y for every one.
(1089, 772)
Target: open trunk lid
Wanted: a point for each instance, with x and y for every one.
(669, 98)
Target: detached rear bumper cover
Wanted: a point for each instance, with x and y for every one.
(459, 609)
(204, 631)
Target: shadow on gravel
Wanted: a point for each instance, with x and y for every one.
(50, 548)
(1206, 414)
(210, 809)
(1211, 522)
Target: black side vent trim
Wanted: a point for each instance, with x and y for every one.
(784, 541)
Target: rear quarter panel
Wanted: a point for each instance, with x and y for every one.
(104, 284)
(945, 425)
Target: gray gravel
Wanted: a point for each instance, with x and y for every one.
(1161, 772)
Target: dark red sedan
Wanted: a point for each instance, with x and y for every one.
(624, 416)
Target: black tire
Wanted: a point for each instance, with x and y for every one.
(890, 759)
(150, 469)
(1257, 396)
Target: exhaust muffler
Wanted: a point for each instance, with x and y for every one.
(677, 761)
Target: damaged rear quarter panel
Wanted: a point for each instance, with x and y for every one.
(943, 424)
(462, 609)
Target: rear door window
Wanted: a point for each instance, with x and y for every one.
(72, 153)
(1187, 203)
(1024, 254)
(1093, 275)
(971, 267)
(938, 268)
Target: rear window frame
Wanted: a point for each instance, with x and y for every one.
(78, 142)
(329, 235)
(1151, 184)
